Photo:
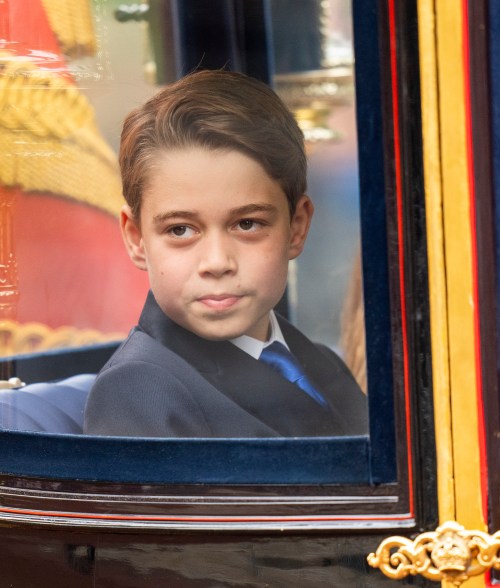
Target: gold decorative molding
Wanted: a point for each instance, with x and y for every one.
(312, 96)
(9, 279)
(451, 553)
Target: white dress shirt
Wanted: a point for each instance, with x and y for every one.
(253, 346)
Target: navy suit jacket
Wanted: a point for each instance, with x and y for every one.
(165, 381)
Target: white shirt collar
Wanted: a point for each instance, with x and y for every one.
(253, 346)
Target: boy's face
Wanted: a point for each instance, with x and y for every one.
(215, 237)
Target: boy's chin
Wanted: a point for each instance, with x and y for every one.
(219, 333)
(210, 336)
(226, 328)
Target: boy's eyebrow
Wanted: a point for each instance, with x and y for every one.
(189, 214)
(164, 216)
(250, 208)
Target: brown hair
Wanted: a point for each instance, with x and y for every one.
(217, 110)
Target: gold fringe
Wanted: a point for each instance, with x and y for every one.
(49, 139)
(18, 338)
(72, 23)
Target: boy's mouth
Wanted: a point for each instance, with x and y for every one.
(219, 301)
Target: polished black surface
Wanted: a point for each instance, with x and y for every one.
(44, 559)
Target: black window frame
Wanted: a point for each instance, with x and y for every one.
(483, 28)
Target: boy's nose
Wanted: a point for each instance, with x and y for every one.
(218, 257)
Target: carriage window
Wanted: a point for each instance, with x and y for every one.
(70, 294)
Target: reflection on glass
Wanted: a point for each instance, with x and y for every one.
(314, 75)
(66, 280)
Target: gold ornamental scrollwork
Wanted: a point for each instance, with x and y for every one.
(451, 553)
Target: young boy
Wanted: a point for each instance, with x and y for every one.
(214, 176)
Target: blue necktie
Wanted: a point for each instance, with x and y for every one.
(281, 360)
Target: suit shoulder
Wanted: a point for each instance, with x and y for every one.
(142, 359)
(145, 389)
(334, 358)
(139, 346)
(327, 369)
(308, 350)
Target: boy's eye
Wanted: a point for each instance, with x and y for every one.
(248, 224)
(181, 231)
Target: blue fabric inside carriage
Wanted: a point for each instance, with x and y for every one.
(55, 407)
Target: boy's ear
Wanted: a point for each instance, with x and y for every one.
(132, 237)
(299, 226)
